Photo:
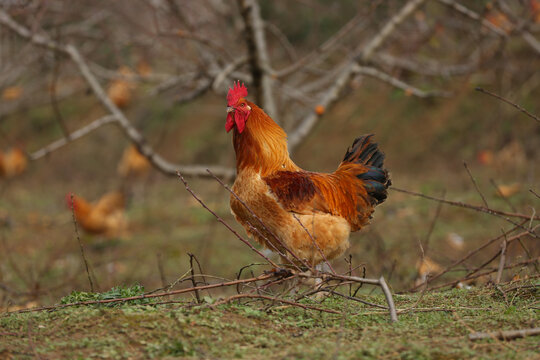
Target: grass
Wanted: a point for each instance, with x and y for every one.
(256, 330)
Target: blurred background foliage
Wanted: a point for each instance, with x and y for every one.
(153, 55)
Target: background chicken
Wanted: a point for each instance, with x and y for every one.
(329, 206)
(120, 90)
(133, 163)
(12, 163)
(105, 216)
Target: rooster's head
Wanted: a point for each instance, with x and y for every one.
(238, 109)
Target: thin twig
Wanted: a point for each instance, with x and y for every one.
(425, 246)
(381, 282)
(159, 258)
(532, 116)
(502, 214)
(502, 260)
(315, 243)
(454, 282)
(280, 242)
(284, 301)
(471, 253)
(353, 298)
(499, 192)
(475, 185)
(218, 218)
(54, 98)
(193, 277)
(81, 247)
(149, 296)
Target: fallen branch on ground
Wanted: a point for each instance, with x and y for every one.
(505, 335)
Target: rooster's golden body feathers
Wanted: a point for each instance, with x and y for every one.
(281, 194)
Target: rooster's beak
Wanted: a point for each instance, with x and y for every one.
(230, 109)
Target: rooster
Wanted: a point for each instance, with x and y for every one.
(103, 217)
(12, 163)
(276, 190)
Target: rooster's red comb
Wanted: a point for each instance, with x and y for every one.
(236, 93)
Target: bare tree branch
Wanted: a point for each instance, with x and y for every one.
(472, 15)
(409, 89)
(72, 137)
(258, 55)
(323, 48)
(378, 40)
(531, 40)
(427, 68)
(341, 80)
(133, 134)
(532, 116)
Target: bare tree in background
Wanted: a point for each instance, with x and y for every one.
(183, 50)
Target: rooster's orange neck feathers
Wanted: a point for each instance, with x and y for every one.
(262, 146)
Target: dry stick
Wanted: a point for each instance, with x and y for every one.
(502, 260)
(486, 263)
(315, 243)
(475, 184)
(289, 302)
(413, 306)
(509, 102)
(353, 298)
(192, 271)
(281, 243)
(467, 206)
(471, 253)
(527, 252)
(200, 270)
(218, 218)
(501, 214)
(452, 283)
(498, 190)
(263, 287)
(381, 282)
(425, 247)
(80, 244)
(140, 297)
(505, 335)
(389, 299)
(534, 193)
(159, 258)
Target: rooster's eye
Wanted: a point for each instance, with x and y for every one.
(242, 104)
